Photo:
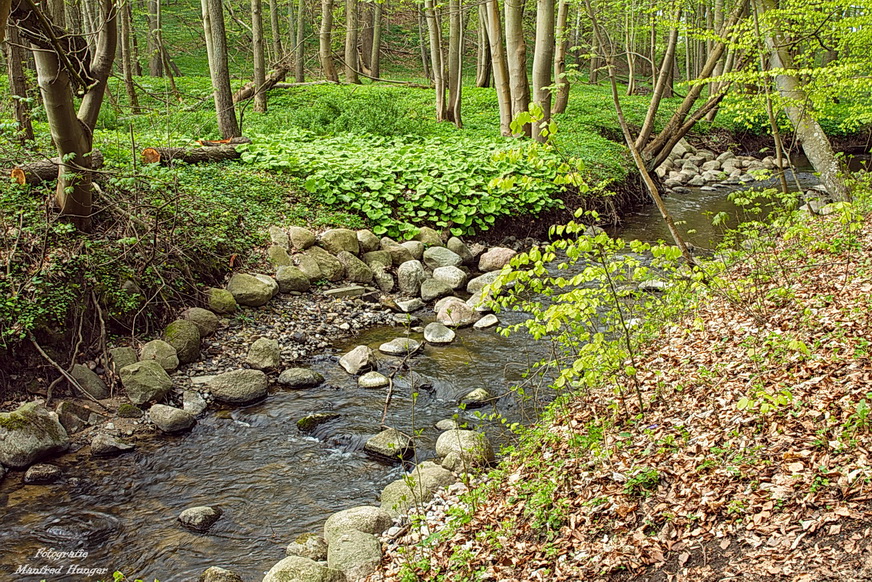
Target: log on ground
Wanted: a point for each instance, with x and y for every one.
(43, 170)
(208, 152)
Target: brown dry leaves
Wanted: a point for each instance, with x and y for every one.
(777, 495)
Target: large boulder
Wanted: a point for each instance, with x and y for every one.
(415, 489)
(170, 419)
(205, 320)
(399, 253)
(355, 269)
(373, 380)
(429, 237)
(300, 378)
(264, 354)
(301, 238)
(217, 574)
(473, 447)
(383, 279)
(337, 240)
(104, 445)
(415, 247)
(453, 276)
(436, 257)
(220, 301)
(122, 356)
(365, 518)
(279, 237)
(410, 275)
(457, 314)
(459, 248)
(495, 259)
(356, 554)
(42, 474)
(360, 359)
(390, 443)
(292, 279)
(145, 381)
(238, 386)
(184, 336)
(278, 256)
(29, 433)
(437, 333)
(308, 266)
(90, 382)
(367, 241)
(487, 321)
(374, 259)
(252, 290)
(308, 545)
(299, 569)
(72, 416)
(478, 283)
(331, 268)
(162, 353)
(200, 518)
(434, 289)
(399, 346)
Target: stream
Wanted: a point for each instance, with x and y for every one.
(272, 482)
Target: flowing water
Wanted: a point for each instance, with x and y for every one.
(272, 482)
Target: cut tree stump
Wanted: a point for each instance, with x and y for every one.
(209, 151)
(44, 170)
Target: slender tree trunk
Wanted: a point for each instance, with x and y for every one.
(351, 29)
(500, 66)
(483, 57)
(299, 43)
(276, 31)
(543, 64)
(126, 64)
(134, 43)
(455, 61)
(375, 54)
(434, 27)
(364, 19)
(15, 59)
(259, 60)
(516, 58)
(325, 41)
(422, 45)
(660, 88)
(155, 62)
(220, 72)
(560, 50)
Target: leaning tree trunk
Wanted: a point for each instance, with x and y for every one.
(220, 72)
(351, 65)
(375, 54)
(259, 60)
(562, 39)
(325, 41)
(500, 66)
(483, 57)
(516, 57)
(15, 58)
(543, 62)
(299, 43)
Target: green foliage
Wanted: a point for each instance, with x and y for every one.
(643, 483)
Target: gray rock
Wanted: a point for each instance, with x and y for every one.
(360, 359)
(375, 259)
(655, 285)
(457, 314)
(90, 382)
(104, 445)
(455, 463)
(145, 381)
(434, 289)
(308, 266)
(711, 165)
(443, 302)
(200, 518)
(264, 354)
(221, 301)
(251, 290)
(495, 259)
(365, 518)
(410, 305)
(399, 346)
(355, 270)
(447, 424)
(279, 237)
(347, 291)
(29, 433)
(42, 474)
(453, 276)
(162, 353)
(331, 268)
(459, 248)
(437, 333)
(120, 357)
(725, 156)
(476, 398)
(696, 181)
(390, 443)
(415, 247)
(477, 284)
(192, 402)
(367, 241)
(399, 253)
(291, 278)
(480, 302)
(300, 378)
(309, 545)
(473, 447)
(205, 320)
(73, 417)
(278, 256)
(373, 380)
(336, 240)
(429, 237)
(301, 238)
(436, 257)
(238, 386)
(170, 419)
(487, 321)
(308, 423)
(383, 279)
(216, 574)
(410, 275)
(184, 336)
(299, 569)
(355, 554)
(416, 488)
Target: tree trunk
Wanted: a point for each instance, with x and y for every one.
(276, 31)
(422, 45)
(137, 66)
(155, 62)
(516, 58)
(259, 61)
(364, 19)
(351, 26)
(249, 90)
(126, 62)
(45, 170)
(168, 156)
(219, 70)
(15, 58)
(455, 61)
(815, 142)
(325, 41)
(560, 50)
(659, 89)
(299, 43)
(483, 57)
(434, 28)
(375, 54)
(543, 63)
(500, 66)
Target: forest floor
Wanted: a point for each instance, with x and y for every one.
(751, 457)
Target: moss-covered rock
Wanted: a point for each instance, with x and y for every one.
(221, 301)
(184, 336)
(30, 433)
